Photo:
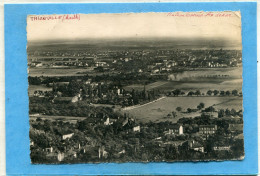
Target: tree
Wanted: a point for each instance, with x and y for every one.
(182, 93)
(201, 106)
(99, 90)
(174, 114)
(73, 88)
(190, 93)
(176, 92)
(227, 93)
(47, 126)
(178, 109)
(83, 125)
(210, 109)
(189, 110)
(38, 119)
(233, 112)
(222, 93)
(197, 92)
(169, 116)
(42, 141)
(221, 113)
(234, 92)
(216, 92)
(209, 92)
(227, 112)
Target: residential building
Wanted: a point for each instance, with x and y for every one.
(221, 148)
(177, 129)
(137, 129)
(196, 146)
(207, 129)
(60, 156)
(67, 136)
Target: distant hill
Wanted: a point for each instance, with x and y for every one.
(138, 43)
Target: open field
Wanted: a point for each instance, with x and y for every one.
(151, 86)
(57, 71)
(198, 79)
(33, 88)
(191, 86)
(62, 71)
(62, 118)
(205, 86)
(158, 110)
(230, 73)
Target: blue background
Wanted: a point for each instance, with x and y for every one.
(17, 118)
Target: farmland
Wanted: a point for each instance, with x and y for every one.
(187, 86)
(158, 110)
(205, 86)
(57, 71)
(198, 79)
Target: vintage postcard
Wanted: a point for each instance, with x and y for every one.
(135, 87)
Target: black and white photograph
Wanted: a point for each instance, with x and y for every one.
(135, 87)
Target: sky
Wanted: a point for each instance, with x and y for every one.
(138, 26)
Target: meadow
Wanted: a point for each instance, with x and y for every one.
(33, 88)
(203, 86)
(158, 110)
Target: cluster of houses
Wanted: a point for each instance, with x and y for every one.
(100, 152)
(161, 61)
(70, 63)
(168, 65)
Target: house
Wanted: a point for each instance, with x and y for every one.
(60, 156)
(102, 153)
(76, 98)
(155, 71)
(207, 129)
(51, 155)
(67, 136)
(221, 148)
(121, 152)
(101, 64)
(108, 121)
(177, 129)
(137, 128)
(196, 146)
(39, 65)
(49, 150)
(88, 81)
